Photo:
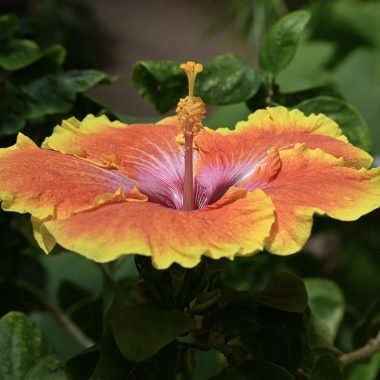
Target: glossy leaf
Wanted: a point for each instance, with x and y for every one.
(16, 54)
(39, 96)
(48, 368)
(327, 304)
(21, 345)
(142, 330)
(279, 46)
(83, 80)
(226, 79)
(347, 116)
(161, 83)
(23, 351)
(55, 53)
(8, 25)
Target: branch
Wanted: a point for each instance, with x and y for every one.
(62, 317)
(65, 320)
(362, 353)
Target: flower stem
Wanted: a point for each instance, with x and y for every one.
(190, 113)
(188, 191)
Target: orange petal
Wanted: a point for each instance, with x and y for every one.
(236, 225)
(114, 144)
(147, 153)
(228, 157)
(311, 181)
(48, 184)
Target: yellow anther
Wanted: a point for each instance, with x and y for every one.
(191, 110)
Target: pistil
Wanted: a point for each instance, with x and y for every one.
(190, 113)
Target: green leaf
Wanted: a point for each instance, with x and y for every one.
(16, 54)
(327, 367)
(113, 365)
(48, 368)
(285, 291)
(23, 351)
(327, 305)
(8, 25)
(161, 83)
(226, 79)
(55, 53)
(39, 96)
(347, 116)
(142, 330)
(279, 46)
(21, 345)
(83, 80)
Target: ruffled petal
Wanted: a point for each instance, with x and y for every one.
(236, 225)
(49, 184)
(147, 153)
(312, 181)
(228, 157)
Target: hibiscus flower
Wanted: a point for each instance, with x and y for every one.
(176, 191)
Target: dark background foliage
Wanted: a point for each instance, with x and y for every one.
(52, 53)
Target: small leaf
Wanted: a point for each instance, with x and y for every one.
(327, 367)
(83, 80)
(227, 79)
(16, 54)
(344, 114)
(327, 305)
(21, 346)
(279, 46)
(142, 330)
(285, 291)
(8, 25)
